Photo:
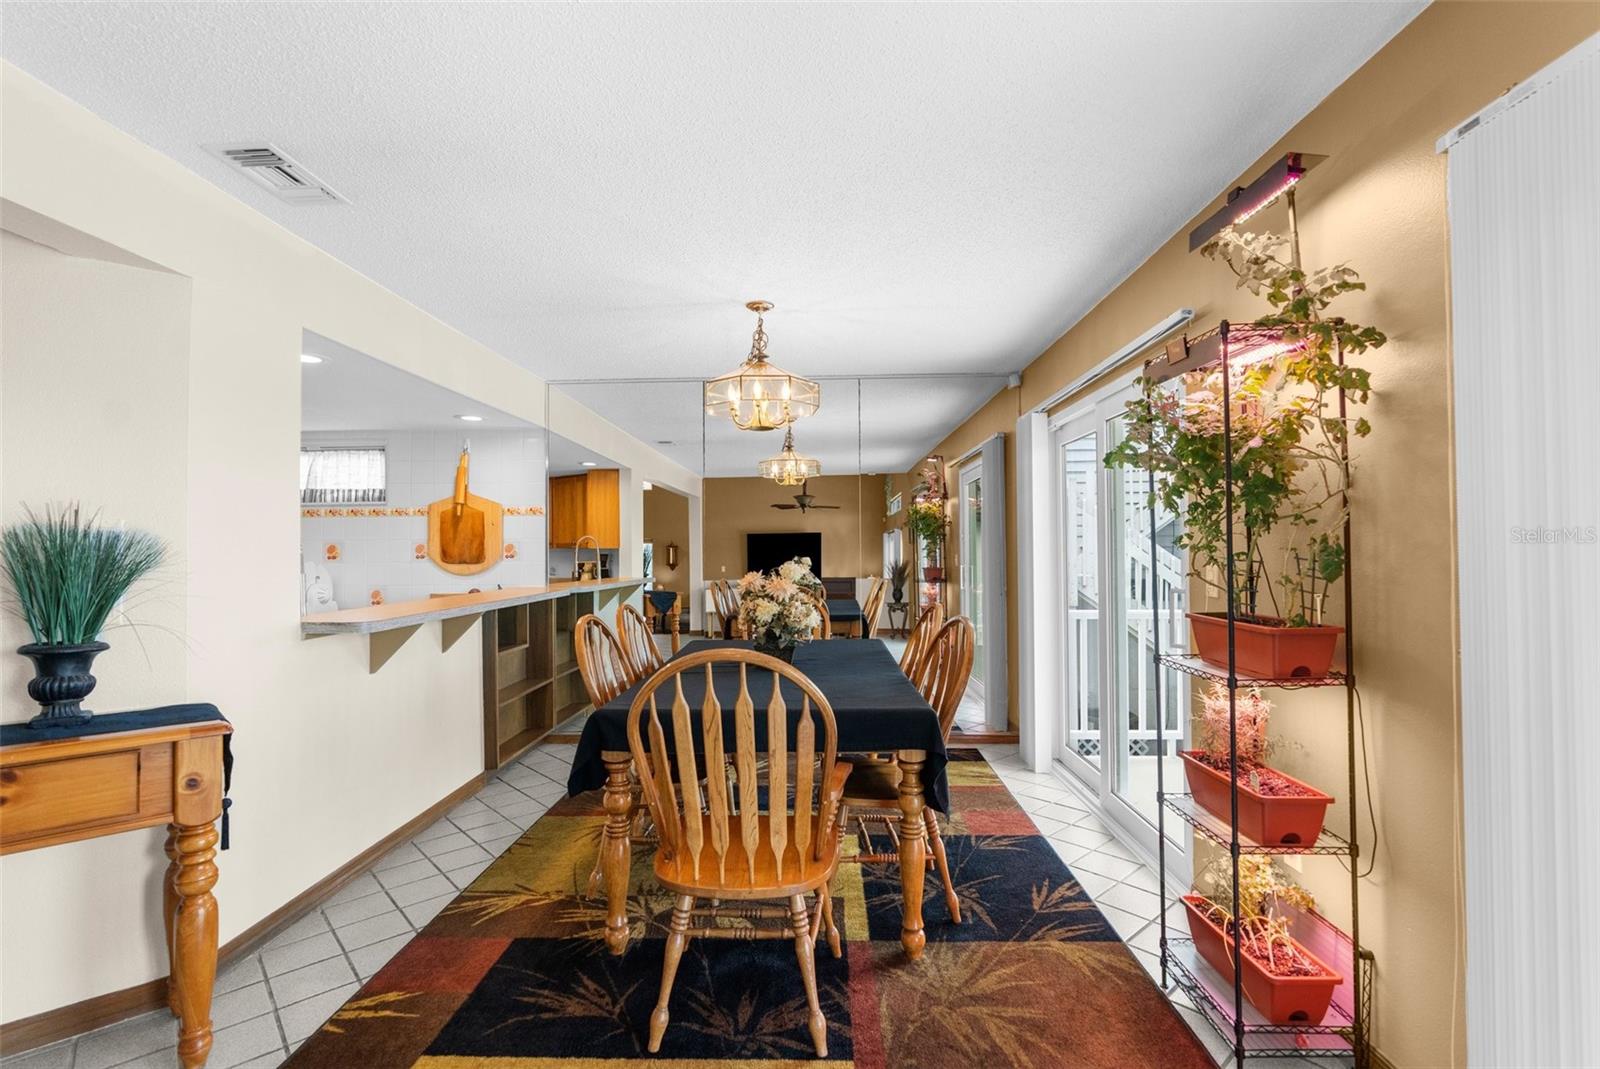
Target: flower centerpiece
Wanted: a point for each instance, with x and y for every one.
(798, 571)
(68, 574)
(776, 613)
(1274, 809)
(1282, 979)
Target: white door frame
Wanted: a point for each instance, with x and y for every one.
(1096, 414)
(989, 461)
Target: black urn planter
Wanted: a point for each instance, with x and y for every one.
(782, 653)
(62, 680)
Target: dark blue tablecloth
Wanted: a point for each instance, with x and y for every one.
(844, 610)
(164, 716)
(875, 708)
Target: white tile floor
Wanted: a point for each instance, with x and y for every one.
(268, 1003)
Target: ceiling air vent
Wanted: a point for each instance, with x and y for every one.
(267, 165)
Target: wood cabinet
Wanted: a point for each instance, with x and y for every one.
(587, 504)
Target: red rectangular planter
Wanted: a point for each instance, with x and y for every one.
(1272, 651)
(1280, 999)
(1268, 819)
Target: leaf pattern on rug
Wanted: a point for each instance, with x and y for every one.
(369, 1007)
(481, 906)
(591, 998)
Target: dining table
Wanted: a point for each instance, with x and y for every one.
(876, 710)
(846, 611)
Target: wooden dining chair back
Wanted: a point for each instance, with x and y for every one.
(921, 638)
(604, 667)
(873, 607)
(824, 628)
(638, 644)
(942, 675)
(725, 603)
(752, 836)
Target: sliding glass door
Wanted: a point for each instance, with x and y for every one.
(970, 521)
(1114, 595)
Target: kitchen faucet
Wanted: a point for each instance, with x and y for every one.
(578, 570)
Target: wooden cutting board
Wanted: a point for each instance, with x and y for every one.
(468, 543)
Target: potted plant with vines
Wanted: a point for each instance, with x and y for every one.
(1288, 444)
(1275, 809)
(68, 573)
(928, 525)
(1286, 982)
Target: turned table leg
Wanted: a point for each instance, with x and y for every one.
(615, 847)
(913, 853)
(192, 835)
(194, 940)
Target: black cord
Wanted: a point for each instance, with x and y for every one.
(1366, 779)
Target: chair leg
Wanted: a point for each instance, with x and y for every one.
(805, 953)
(937, 842)
(828, 924)
(677, 939)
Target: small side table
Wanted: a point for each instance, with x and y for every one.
(902, 609)
(64, 788)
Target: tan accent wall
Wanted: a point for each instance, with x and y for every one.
(1378, 202)
(666, 519)
(852, 536)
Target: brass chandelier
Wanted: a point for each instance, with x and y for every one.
(789, 468)
(759, 395)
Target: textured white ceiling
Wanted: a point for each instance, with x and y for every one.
(595, 190)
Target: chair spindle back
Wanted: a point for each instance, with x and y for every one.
(739, 833)
(921, 637)
(638, 645)
(942, 676)
(873, 607)
(601, 662)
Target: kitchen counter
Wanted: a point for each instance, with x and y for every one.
(410, 614)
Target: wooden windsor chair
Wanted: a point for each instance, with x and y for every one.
(824, 627)
(873, 607)
(725, 603)
(872, 792)
(602, 663)
(638, 644)
(723, 844)
(921, 637)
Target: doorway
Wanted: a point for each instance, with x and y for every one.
(1117, 598)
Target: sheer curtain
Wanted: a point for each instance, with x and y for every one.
(342, 476)
(1525, 275)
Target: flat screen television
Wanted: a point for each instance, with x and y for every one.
(764, 552)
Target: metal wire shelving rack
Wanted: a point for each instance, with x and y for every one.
(1345, 1030)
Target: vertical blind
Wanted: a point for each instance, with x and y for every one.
(342, 477)
(1525, 274)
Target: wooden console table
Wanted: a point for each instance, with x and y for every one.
(61, 790)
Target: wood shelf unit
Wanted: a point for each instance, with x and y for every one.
(530, 674)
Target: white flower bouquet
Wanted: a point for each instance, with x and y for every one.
(776, 612)
(798, 572)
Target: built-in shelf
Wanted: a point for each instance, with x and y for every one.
(519, 689)
(531, 681)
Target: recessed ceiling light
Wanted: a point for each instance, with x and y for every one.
(587, 464)
(471, 419)
(308, 358)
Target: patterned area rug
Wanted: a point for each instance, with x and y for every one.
(514, 973)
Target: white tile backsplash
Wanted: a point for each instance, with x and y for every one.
(379, 552)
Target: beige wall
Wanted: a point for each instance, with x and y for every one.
(202, 446)
(1378, 202)
(666, 519)
(852, 537)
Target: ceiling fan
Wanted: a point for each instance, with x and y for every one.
(804, 501)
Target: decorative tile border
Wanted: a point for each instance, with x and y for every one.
(362, 512)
